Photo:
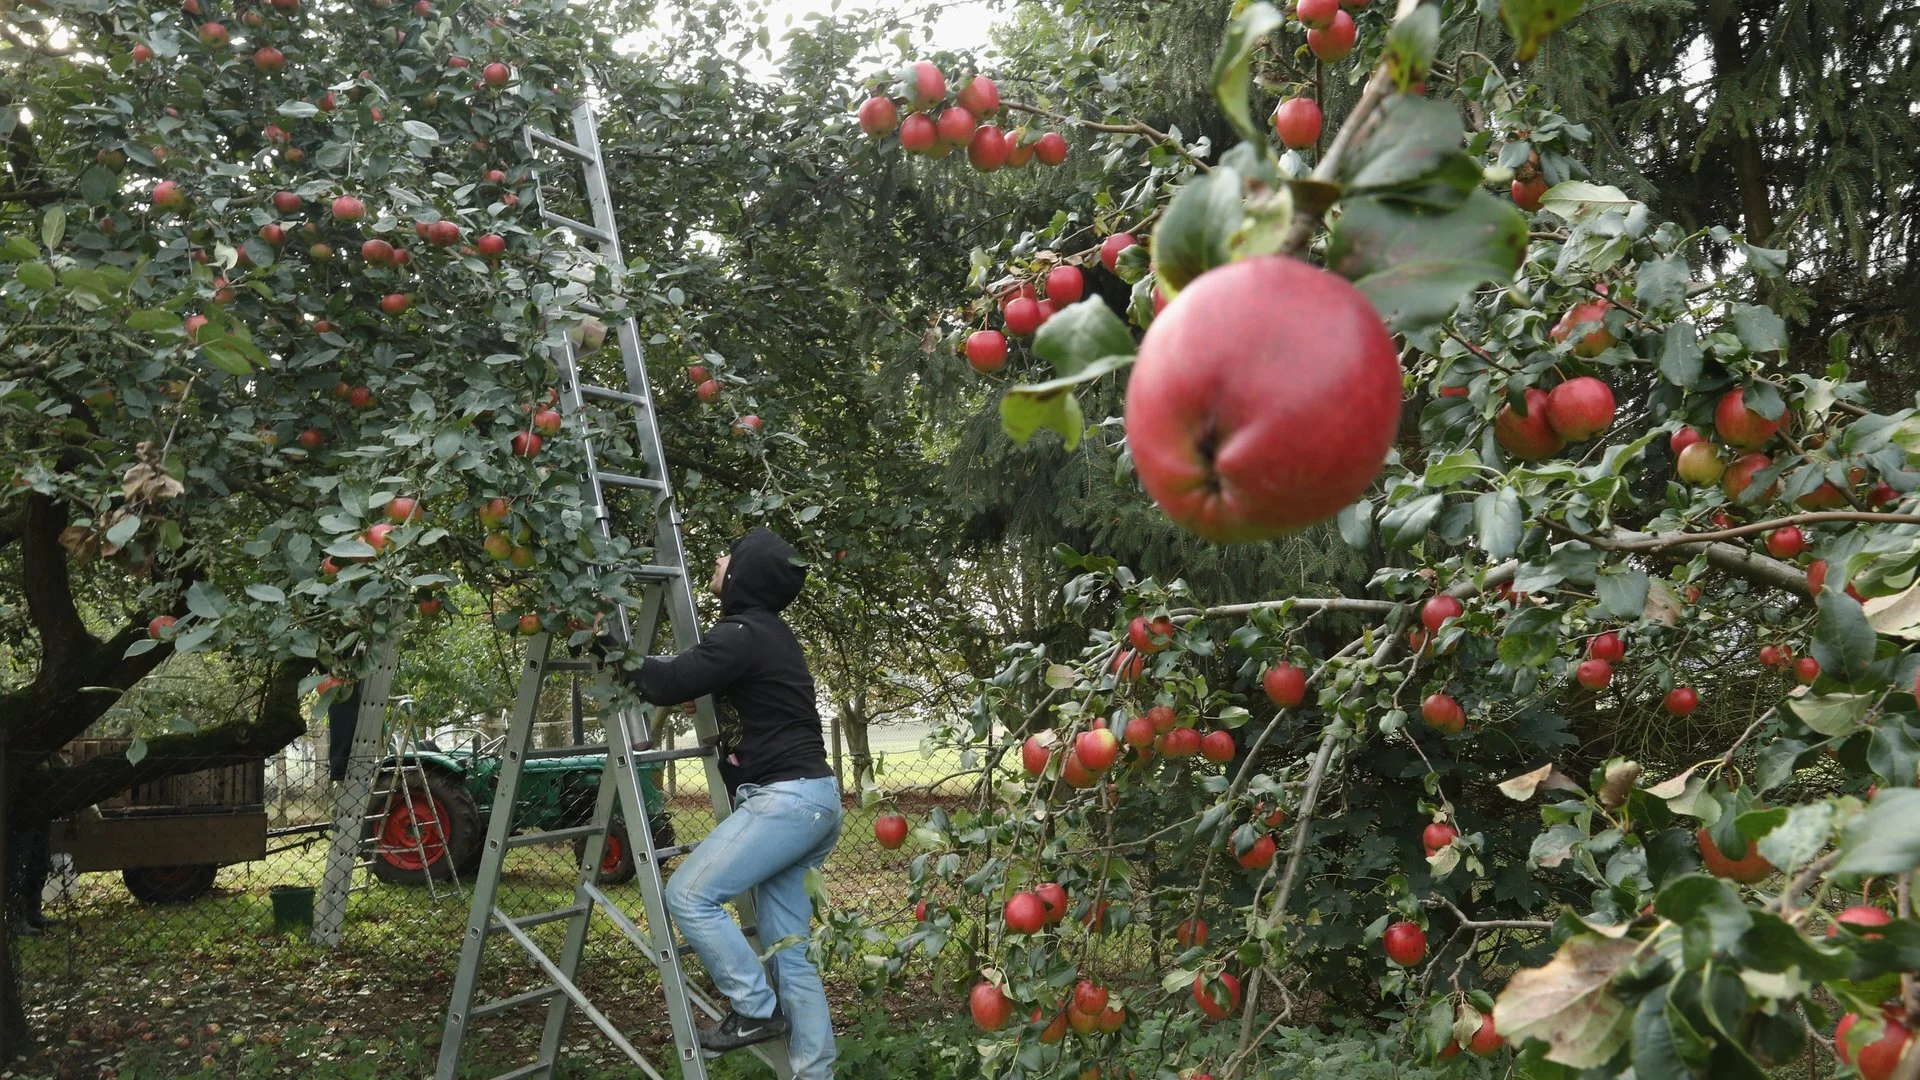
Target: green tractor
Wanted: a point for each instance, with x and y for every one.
(434, 826)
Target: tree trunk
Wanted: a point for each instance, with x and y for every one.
(853, 724)
(1749, 165)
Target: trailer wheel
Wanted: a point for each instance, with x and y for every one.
(422, 832)
(169, 884)
(616, 856)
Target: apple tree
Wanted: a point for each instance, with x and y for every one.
(1618, 772)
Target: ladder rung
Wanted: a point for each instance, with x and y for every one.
(665, 853)
(611, 395)
(552, 836)
(651, 572)
(543, 918)
(565, 751)
(572, 665)
(500, 1005)
(623, 480)
(561, 145)
(538, 1068)
(581, 227)
(647, 757)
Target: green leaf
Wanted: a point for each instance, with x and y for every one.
(226, 356)
(1831, 714)
(419, 130)
(1416, 264)
(1414, 139)
(1882, 840)
(1530, 21)
(1623, 591)
(1232, 65)
(153, 319)
(1892, 752)
(1406, 523)
(34, 275)
(1569, 1003)
(1843, 640)
(53, 226)
(136, 751)
(19, 249)
(1085, 334)
(1800, 839)
(1656, 1053)
(1411, 46)
(1680, 355)
(206, 601)
(1497, 521)
(1356, 525)
(298, 110)
(1531, 639)
(1451, 469)
(268, 594)
(1577, 200)
(1196, 233)
(1775, 765)
(98, 184)
(1771, 945)
(1051, 405)
(1759, 329)
(1707, 905)
(1662, 283)
(123, 531)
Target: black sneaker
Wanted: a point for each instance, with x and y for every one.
(735, 1031)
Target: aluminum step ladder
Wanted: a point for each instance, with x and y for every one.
(356, 836)
(666, 590)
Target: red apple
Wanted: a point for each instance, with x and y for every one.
(1316, 14)
(1217, 1003)
(1530, 437)
(1022, 316)
(924, 85)
(1594, 341)
(1806, 670)
(360, 397)
(1486, 1040)
(1773, 656)
(430, 607)
(395, 303)
(1260, 855)
(1593, 674)
(491, 245)
(955, 126)
(1858, 917)
(1740, 474)
(1749, 868)
(348, 208)
(1436, 611)
(525, 444)
(1580, 408)
(1218, 747)
(213, 34)
(378, 534)
(987, 149)
(1111, 249)
(1297, 122)
(1877, 1059)
(493, 513)
(1055, 899)
(1332, 44)
(1527, 194)
(312, 439)
(1248, 420)
(1026, 914)
(1740, 426)
(443, 233)
(1163, 718)
(890, 830)
(990, 1006)
(981, 96)
(1190, 932)
(161, 627)
(708, 390)
(1051, 149)
(1437, 836)
(1684, 438)
(879, 116)
(167, 195)
(1681, 701)
(1181, 742)
(1127, 665)
(1786, 542)
(1608, 647)
(987, 350)
(497, 547)
(269, 60)
(142, 52)
(1034, 755)
(918, 133)
(1286, 685)
(1699, 463)
(1096, 749)
(401, 509)
(746, 425)
(1406, 943)
(546, 421)
(1065, 285)
(377, 252)
(495, 75)
(1150, 635)
(1443, 714)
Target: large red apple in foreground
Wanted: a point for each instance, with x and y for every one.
(1265, 399)
(1530, 437)
(890, 830)
(990, 1006)
(1406, 943)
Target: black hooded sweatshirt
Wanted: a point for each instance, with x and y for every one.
(754, 664)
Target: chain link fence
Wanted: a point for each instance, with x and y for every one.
(157, 897)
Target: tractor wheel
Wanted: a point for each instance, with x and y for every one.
(424, 832)
(169, 884)
(616, 858)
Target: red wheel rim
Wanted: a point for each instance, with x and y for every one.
(414, 824)
(611, 855)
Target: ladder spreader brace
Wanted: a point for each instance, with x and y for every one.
(666, 590)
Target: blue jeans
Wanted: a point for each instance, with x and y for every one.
(768, 844)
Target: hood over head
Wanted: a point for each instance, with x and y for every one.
(764, 573)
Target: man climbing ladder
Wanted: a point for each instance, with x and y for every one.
(787, 812)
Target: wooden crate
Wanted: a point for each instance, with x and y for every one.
(226, 785)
